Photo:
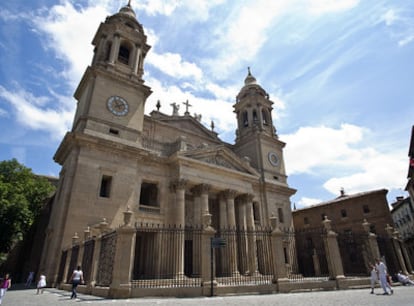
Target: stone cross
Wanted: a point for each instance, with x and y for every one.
(186, 107)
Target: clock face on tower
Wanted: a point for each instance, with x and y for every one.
(273, 159)
(117, 106)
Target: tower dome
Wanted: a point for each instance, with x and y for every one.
(250, 79)
(127, 10)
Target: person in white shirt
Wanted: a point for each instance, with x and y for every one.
(382, 275)
(373, 278)
(404, 279)
(41, 284)
(76, 279)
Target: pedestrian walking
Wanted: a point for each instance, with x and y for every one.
(29, 279)
(5, 284)
(382, 275)
(373, 277)
(76, 279)
(41, 284)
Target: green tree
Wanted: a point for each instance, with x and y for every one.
(22, 196)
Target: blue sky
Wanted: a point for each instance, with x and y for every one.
(340, 74)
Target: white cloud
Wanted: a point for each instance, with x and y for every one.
(155, 7)
(342, 156)
(318, 7)
(389, 17)
(218, 110)
(305, 202)
(173, 65)
(311, 147)
(69, 32)
(41, 116)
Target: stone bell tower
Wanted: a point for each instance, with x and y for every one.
(95, 155)
(111, 95)
(256, 136)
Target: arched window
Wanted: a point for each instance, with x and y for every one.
(108, 51)
(264, 116)
(245, 119)
(123, 54)
(255, 118)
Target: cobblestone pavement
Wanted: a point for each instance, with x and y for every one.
(355, 297)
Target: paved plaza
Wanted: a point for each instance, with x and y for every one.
(52, 297)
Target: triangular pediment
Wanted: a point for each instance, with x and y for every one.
(221, 156)
(186, 123)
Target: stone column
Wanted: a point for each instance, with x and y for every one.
(179, 187)
(124, 259)
(278, 256)
(229, 195)
(200, 205)
(251, 236)
(207, 257)
(242, 239)
(333, 256)
(202, 191)
(114, 49)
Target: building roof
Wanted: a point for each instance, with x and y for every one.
(344, 197)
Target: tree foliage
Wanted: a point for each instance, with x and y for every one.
(22, 196)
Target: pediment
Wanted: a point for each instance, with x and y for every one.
(221, 156)
(185, 123)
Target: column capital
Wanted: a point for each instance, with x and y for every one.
(228, 194)
(178, 184)
(246, 197)
(201, 189)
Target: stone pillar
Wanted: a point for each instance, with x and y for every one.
(179, 187)
(124, 259)
(278, 256)
(316, 265)
(333, 255)
(242, 239)
(407, 258)
(202, 191)
(372, 245)
(114, 49)
(66, 268)
(398, 249)
(251, 236)
(137, 56)
(207, 257)
(229, 195)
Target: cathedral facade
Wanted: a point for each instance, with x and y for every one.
(163, 169)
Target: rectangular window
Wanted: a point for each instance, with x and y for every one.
(365, 208)
(343, 213)
(306, 220)
(113, 131)
(256, 212)
(280, 215)
(105, 189)
(323, 216)
(149, 194)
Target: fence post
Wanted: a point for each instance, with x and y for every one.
(333, 255)
(278, 256)
(124, 259)
(372, 243)
(206, 256)
(398, 249)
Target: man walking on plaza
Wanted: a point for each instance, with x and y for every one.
(382, 275)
